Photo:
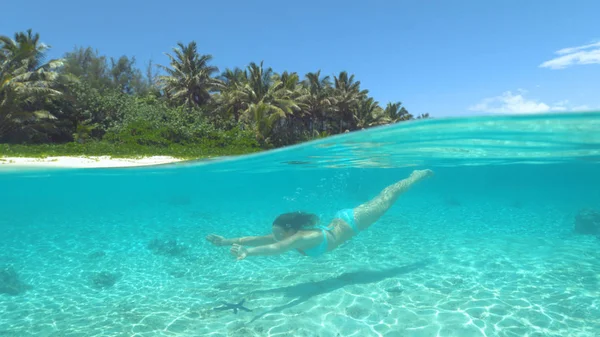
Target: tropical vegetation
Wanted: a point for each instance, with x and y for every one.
(87, 103)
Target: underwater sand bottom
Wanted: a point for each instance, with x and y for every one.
(424, 275)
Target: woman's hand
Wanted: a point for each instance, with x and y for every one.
(217, 240)
(239, 251)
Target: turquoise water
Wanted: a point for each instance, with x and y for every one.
(485, 247)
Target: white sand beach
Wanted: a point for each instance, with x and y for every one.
(83, 162)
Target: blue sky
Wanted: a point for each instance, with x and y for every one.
(448, 58)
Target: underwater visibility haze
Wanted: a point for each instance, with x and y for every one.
(503, 240)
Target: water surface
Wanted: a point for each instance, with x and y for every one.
(486, 247)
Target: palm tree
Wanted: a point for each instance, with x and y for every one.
(189, 78)
(24, 81)
(260, 82)
(290, 81)
(369, 113)
(347, 94)
(290, 88)
(25, 46)
(266, 91)
(395, 112)
(268, 87)
(264, 116)
(317, 100)
(256, 85)
(231, 99)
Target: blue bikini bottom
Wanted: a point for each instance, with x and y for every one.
(346, 215)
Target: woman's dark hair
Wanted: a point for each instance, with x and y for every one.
(296, 220)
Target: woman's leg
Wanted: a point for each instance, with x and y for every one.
(366, 214)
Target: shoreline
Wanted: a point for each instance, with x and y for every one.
(83, 162)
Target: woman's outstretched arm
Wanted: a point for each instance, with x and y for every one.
(245, 240)
(280, 247)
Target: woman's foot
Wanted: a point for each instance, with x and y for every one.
(421, 174)
(404, 184)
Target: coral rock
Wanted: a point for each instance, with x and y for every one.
(587, 222)
(10, 283)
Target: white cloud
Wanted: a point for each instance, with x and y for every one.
(586, 54)
(517, 104)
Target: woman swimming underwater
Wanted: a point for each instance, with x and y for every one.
(298, 230)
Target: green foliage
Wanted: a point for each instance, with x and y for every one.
(125, 77)
(154, 123)
(94, 69)
(88, 66)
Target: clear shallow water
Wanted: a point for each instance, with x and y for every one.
(483, 248)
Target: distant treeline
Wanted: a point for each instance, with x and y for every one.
(86, 97)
